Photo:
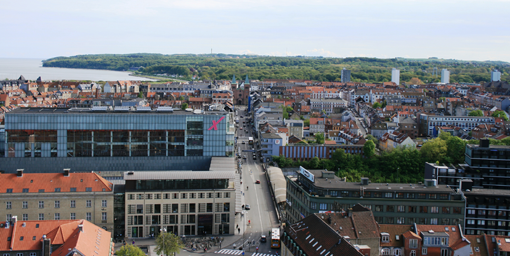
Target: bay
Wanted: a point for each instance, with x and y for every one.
(31, 69)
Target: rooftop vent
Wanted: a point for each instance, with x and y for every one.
(131, 173)
(66, 172)
(19, 172)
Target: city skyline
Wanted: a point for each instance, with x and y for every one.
(386, 29)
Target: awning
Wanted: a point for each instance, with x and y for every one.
(278, 183)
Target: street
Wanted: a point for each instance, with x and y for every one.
(261, 217)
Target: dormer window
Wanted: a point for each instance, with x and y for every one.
(385, 238)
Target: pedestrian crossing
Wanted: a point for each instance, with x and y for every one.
(240, 252)
(230, 252)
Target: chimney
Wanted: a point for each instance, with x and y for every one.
(14, 219)
(46, 246)
(80, 227)
(67, 171)
(19, 172)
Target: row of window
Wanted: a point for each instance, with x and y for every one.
(27, 190)
(178, 196)
(174, 208)
(488, 222)
(24, 204)
(104, 216)
(420, 221)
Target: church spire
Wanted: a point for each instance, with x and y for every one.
(234, 80)
(246, 81)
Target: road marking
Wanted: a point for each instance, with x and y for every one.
(229, 252)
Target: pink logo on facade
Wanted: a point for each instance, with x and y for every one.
(215, 124)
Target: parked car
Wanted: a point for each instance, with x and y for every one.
(257, 182)
(247, 207)
(244, 142)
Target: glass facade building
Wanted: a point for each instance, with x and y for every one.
(44, 132)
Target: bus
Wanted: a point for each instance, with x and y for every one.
(275, 238)
(250, 140)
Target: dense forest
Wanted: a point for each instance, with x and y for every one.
(223, 66)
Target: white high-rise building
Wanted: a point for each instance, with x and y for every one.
(395, 76)
(445, 76)
(495, 75)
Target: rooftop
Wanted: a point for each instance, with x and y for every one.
(118, 111)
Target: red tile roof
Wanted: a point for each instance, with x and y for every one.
(49, 181)
(27, 236)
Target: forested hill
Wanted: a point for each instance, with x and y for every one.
(223, 66)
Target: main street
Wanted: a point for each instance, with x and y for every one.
(261, 216)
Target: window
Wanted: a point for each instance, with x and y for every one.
(433, 221)
(401, 208)
(424, 251)
(73, 204)
(88, 189)
(104, 216)
(184, 195)
(385, 238)
(9, 190)
(89, 216)
(411, 209)
(57, 204)
(41, 216)
(413, 243)
(424, 209)
(413, 253)
(89, 203)
(33, 253)
(25, 217)
(57, 189)
(227, 194)
(8, 205)
(104, 203)
(57, 216)
(390, 208)
(434, 209)
(41, 204)
(73, 216)
(400, 220)
(444, 252)
(25, 204)
(323, 206)
(25, 190)
(313, 206)
(41, 190)
(73, 189)
(388, 195)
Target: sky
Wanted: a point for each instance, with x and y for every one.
(449, 29)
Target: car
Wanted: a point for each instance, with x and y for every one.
(257, 182)
(244, 142)
(244, 157)
(247, 207)
(263, 239)
(241, 128)
(241, 116)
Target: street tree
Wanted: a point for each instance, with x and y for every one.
(168, 243)
(500, 113)
(130, 250)
(319, 138)
(476, 113)
(434, 150)
(184, 106)
(369, 148)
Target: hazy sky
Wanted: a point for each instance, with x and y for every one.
(469, 30)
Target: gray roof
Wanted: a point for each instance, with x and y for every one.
(76, 111)
(270, 136)
(176, 175)
(337, 183)
(222, 164)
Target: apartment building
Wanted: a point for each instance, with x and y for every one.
(57, 196)
(183, 202)
(54, 237)
(429, 124)
(315, 191)
(307, 152)
(328, 105)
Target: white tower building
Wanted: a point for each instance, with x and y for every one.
(395, 76)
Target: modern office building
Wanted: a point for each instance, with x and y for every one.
(120, 138)
(486, 166)
(317, 191)
(445, 76)
(495, 76)
(487, 211)
(395, 76)
(57, 196)
(183, 202)
(346, 76)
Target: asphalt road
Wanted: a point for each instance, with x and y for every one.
(261, 217)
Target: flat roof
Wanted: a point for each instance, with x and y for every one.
(178, 175)
(337, 183)
(487, 192)
(62, 111)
